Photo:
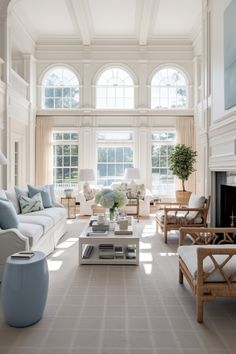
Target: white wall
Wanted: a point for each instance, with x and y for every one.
(222, 124)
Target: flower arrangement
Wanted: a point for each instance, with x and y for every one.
(110, 198)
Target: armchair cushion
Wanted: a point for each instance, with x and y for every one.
(189, 256)
(177, 217)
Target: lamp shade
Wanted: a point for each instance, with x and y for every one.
(132, 173)
(3, 160)
(86, 174)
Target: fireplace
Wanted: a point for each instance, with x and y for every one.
(228, 206)
(224, 208)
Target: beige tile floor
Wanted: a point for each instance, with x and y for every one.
(122, 309)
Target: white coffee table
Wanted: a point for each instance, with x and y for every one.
(125, 241)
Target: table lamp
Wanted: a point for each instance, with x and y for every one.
(132, 173)
(86, 175)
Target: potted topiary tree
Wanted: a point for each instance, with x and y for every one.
(182, 159)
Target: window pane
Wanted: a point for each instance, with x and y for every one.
(66, 161)
(111, 154)
(115, 158)
(49, 103)
(66, 149)
(102, 155)
(113, 86)
(74, 149)
(163, 182)
(168, 84)
(102, 168)
(119, 154)
(62, 83)
(58, 92)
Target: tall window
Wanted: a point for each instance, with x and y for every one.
(60, 89)
(115, 89)
(65, 159)
(163, 182)
(115, 153)
(169, 90)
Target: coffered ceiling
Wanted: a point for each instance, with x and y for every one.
(100, 21)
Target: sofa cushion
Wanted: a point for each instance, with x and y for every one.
(189, 256)
(33, 231)
(45, 193)
(32, 218)
(56, 214)
(8, 216)
(12, 196)
(23, 191)
(3, 194)
(29, 205)
(52, 194)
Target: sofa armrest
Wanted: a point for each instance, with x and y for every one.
(81, 198)
(58, 205)
(12, 241)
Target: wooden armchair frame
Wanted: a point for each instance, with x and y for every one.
(204, 289)
(178, 222)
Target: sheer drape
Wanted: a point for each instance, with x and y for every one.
(185, 135)
(44, 162)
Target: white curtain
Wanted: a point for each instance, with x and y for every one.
(185, 135)
(44, 161)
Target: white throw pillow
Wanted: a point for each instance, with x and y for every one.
(196, 201)
(89, 193)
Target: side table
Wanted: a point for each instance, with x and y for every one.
(24, 289)
(134, 202)
(70, 205)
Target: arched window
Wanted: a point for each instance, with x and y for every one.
(115, 89)
(169, 89)
(60, 89)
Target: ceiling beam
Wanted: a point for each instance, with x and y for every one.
(81, 18)
(146, 15)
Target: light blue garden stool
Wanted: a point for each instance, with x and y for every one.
(24, 289)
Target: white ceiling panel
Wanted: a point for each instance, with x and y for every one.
(45, 17)
(176, 17)
(113, 17)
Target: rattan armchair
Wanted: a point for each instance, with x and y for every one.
(210, 268)
(173, 216)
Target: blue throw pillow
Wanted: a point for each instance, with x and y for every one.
(45, 194)
(8, 216)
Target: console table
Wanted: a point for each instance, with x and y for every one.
(134, 202)
(70, 205)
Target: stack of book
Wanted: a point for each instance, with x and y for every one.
(119, 252)
(130, 252)
(118, 231)
(106, 251)
(100, 227)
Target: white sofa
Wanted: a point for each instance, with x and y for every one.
(37, 231)
(144, 203)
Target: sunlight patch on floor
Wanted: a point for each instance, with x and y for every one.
(145, 257)
(68, 243)
(144, 246)
(54, 266)
(147, 268)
